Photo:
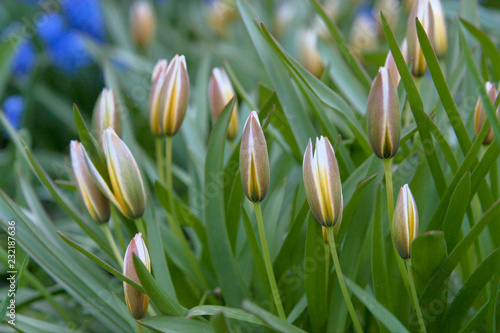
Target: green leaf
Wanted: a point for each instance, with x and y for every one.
(274, 322)
(218, 240)
(32, 325)
(176, 325)
(417, 108)
(460, 305)
(428, 252)
(356, 67)
(454, 218)
(447, 267)
(99, 261)
(475, 321)
(377, 309)
(163, 302)
(379, 270)
(11, 296)
(316, 276)
(489, 47)
(443, 90)
(237, 314)
(219, 323)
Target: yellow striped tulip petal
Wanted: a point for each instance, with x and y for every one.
(137, 302)
(383, 118)
(220, 92)
(157, 80)
(106, 114)
(421, 10)
(254, 160)
(96, 203)
(405, 222)
(322, 183)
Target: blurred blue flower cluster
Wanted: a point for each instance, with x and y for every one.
(13, 107)
(85, 16)
(25, 55)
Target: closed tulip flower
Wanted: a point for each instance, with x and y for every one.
(169, 96)
(421, 10)
(308, 52)
(106, 114)
(254, 160)
(405, 222)
(480, 114)
(137, 302)
(96, 203)
(142, 22)
(383, 118)
(438, 34)
(322, 183)
(220, 92)
(126, 190)
(390, 64)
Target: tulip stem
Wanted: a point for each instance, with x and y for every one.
(140, 227)
(389, 189)
(415, 297)
(118, 230)
(159, 159)
(112, 242)
(267, 261)
(175, 227)
(139, 327)
(343, 288)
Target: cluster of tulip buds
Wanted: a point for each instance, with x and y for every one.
(431, 16)
(254, 160)
(169, 96)
(142, 22)
(137, 302)
(220, 93)
(480, 114)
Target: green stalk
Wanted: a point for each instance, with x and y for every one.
(140, 224)
(267, 261)
(139, 327)
(118, 230)
(114, 248)
(175, 227)
(494, 179)
(327, 267)
(415, 298)
(343, 288)
(159, 159)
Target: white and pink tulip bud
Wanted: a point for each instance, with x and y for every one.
(254, 160)
(308, 53)
(421, 10)
(438, 37)
(142, 22)
(220, 93)
(137, 302)
(480, 113)
(106, 114)
(383, 117)
(126, 189)
(405, 222)
(169, 96)
(322, 183)
(390, 64)
(96, 203)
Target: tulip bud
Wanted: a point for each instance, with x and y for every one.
(405, 222)
(254, 160)
(308, 52)
(142, 22)
(137, 302)
(169, 96)
(480, 114)
(322, 183)
(438, 34)
(95, 202)
(220, 92)
(106, 114)
(421, 11)
(383, 118)
(127, 189)
(219, 15)
(390, 64)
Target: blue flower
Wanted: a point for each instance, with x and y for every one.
(50, 27)
(25, 55)
(13, 107)
(69, 54)
(85, 16)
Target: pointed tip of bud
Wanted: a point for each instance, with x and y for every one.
(106, 114)
(480, 116)
(220, 93)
